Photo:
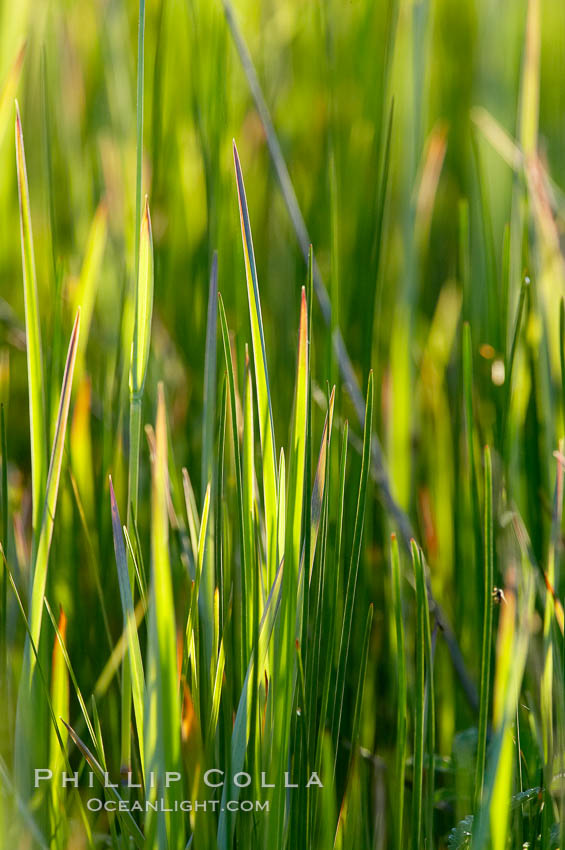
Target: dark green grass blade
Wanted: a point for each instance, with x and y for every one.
(345, 639)
(136, 665)
(401, 693)
(419, 698)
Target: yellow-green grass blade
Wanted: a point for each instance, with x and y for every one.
(136, 665)
(141, 342)
(162, 709)
(514, 631)
(248, 496)
(143, 306)
(192, 621)
(85, 293)
(530, 88)
(38, 432)
(60, 703)
(266, 428)
(206, 600)
(286, 635)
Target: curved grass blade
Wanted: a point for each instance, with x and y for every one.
(38, 432)
(266, 428)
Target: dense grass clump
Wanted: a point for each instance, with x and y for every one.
(281, 539)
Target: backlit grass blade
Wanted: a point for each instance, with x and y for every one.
(401, 692)
(38, 432)
(210, 377)
(266, 428)
(88, 283)
(285, 646)
(143, 307)
(138, 370)
(162, 709)
(60, 703)
(248, 482)
(208, 466)
(246, 544)
(136, 665)
(486, 632)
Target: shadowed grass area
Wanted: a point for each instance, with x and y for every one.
(291, 599)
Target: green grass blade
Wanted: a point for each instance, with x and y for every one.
(487, 633)
(208, 415)
(245, 567)
(266, 428)
(419, 697)
(38, 432)
(353, 568)
(136, 665)
(401, 693)
(162, 709)
(240, 734)
(125, 817)
(143, 308)
(48, 522)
